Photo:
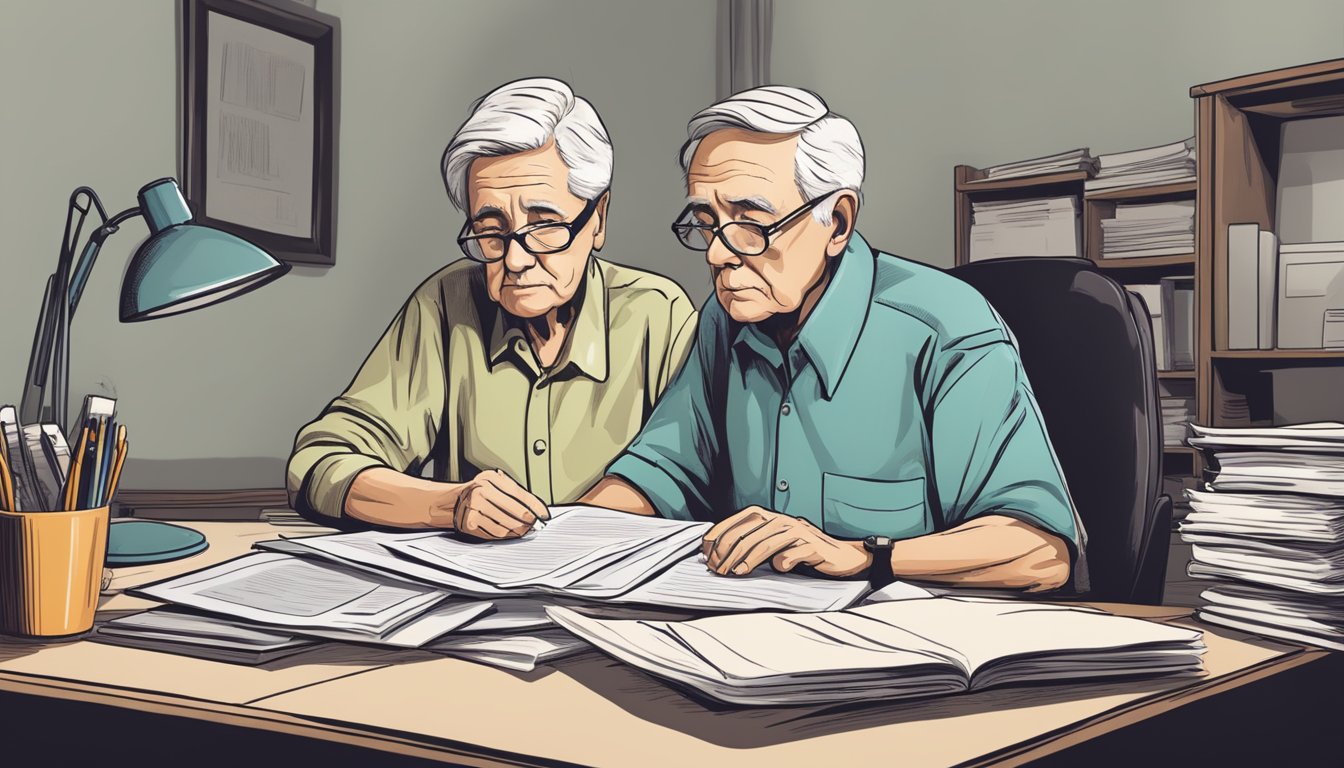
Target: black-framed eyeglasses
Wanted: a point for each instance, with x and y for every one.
(745, 238)
(538, 240)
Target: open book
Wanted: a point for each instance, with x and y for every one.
(891, 650)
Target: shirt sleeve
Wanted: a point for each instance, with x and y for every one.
(991, 453)
(388, 416)
(671, 460)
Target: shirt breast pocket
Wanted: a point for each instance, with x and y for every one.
(855, 507)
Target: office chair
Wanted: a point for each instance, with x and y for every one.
(1087, 348)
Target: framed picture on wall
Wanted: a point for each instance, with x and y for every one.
(259, 118)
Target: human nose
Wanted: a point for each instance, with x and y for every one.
(718, 254)
(517, 259)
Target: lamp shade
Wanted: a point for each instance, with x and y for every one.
(184, 266)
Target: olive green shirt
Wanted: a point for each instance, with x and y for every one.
(453, 381)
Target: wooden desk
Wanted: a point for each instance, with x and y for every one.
(590, 710)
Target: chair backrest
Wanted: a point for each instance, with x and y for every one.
(1086, 345)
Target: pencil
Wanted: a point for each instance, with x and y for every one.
(122, 447)
(114, 454)
(76, 470)
(6, 482)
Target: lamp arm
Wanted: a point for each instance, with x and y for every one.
(90, 255)
(50, 353)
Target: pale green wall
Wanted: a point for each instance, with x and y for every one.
(213, 398)
(88, 87)
(934, 83)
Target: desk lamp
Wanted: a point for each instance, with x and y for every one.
(180, 267)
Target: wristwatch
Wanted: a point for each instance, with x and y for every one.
(879, 573)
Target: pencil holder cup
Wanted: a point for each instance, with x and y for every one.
(51, 569)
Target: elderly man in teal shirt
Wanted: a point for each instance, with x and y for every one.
(842, 409)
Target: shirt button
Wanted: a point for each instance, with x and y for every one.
(785, 409)
(782, 485)
(539, 447)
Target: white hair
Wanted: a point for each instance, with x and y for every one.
(830, 153)
(525, 115)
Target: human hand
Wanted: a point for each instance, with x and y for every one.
(736, 546)
(493, 505)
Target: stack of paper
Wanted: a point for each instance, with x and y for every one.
(891, 650)
(1167, 164)
(204, 636)
(1072, 160)
(1271, 532)
(1149, 229)
(586, 552)
(651, 562)
(1011, 228)
(318, 599)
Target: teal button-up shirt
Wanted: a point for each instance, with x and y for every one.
(901, 409)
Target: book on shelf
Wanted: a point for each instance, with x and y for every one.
(1070, 160)
(1166, 164)
(1036, 227)
(1178, 307)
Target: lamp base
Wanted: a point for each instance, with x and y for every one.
(144, 542)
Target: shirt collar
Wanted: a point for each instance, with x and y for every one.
(586, 347)
(831, 331)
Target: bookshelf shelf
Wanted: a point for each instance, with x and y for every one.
(1178, 450)
(1148, 262)
(975, 184)
(1181, 189)
(1278, 354)
(1175, 374)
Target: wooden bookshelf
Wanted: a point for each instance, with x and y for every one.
(1239, 125)
(1237, 136)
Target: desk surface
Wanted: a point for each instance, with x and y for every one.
(590, 709)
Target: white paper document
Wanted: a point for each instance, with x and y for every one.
(520, 652)
(587, 548)
(318, 598)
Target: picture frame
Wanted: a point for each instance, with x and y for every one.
(259, 119)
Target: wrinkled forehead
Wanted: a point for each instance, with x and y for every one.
(739, 163)
(534, 174)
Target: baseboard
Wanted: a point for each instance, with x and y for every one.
(232, 504)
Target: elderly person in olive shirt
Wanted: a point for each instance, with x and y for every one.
(522, 371)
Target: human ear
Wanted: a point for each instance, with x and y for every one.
(600, 221)
(843, 215)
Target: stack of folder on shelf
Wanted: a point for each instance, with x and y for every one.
(909, 647)
(1177, 399)
(1149, 229)
(1270, 531)
(1012, 228)
(41, 472)
(1167, 164)
(1072, 160)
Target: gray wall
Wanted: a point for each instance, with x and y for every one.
(213, 398)
(934, 83)
(233, 383)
